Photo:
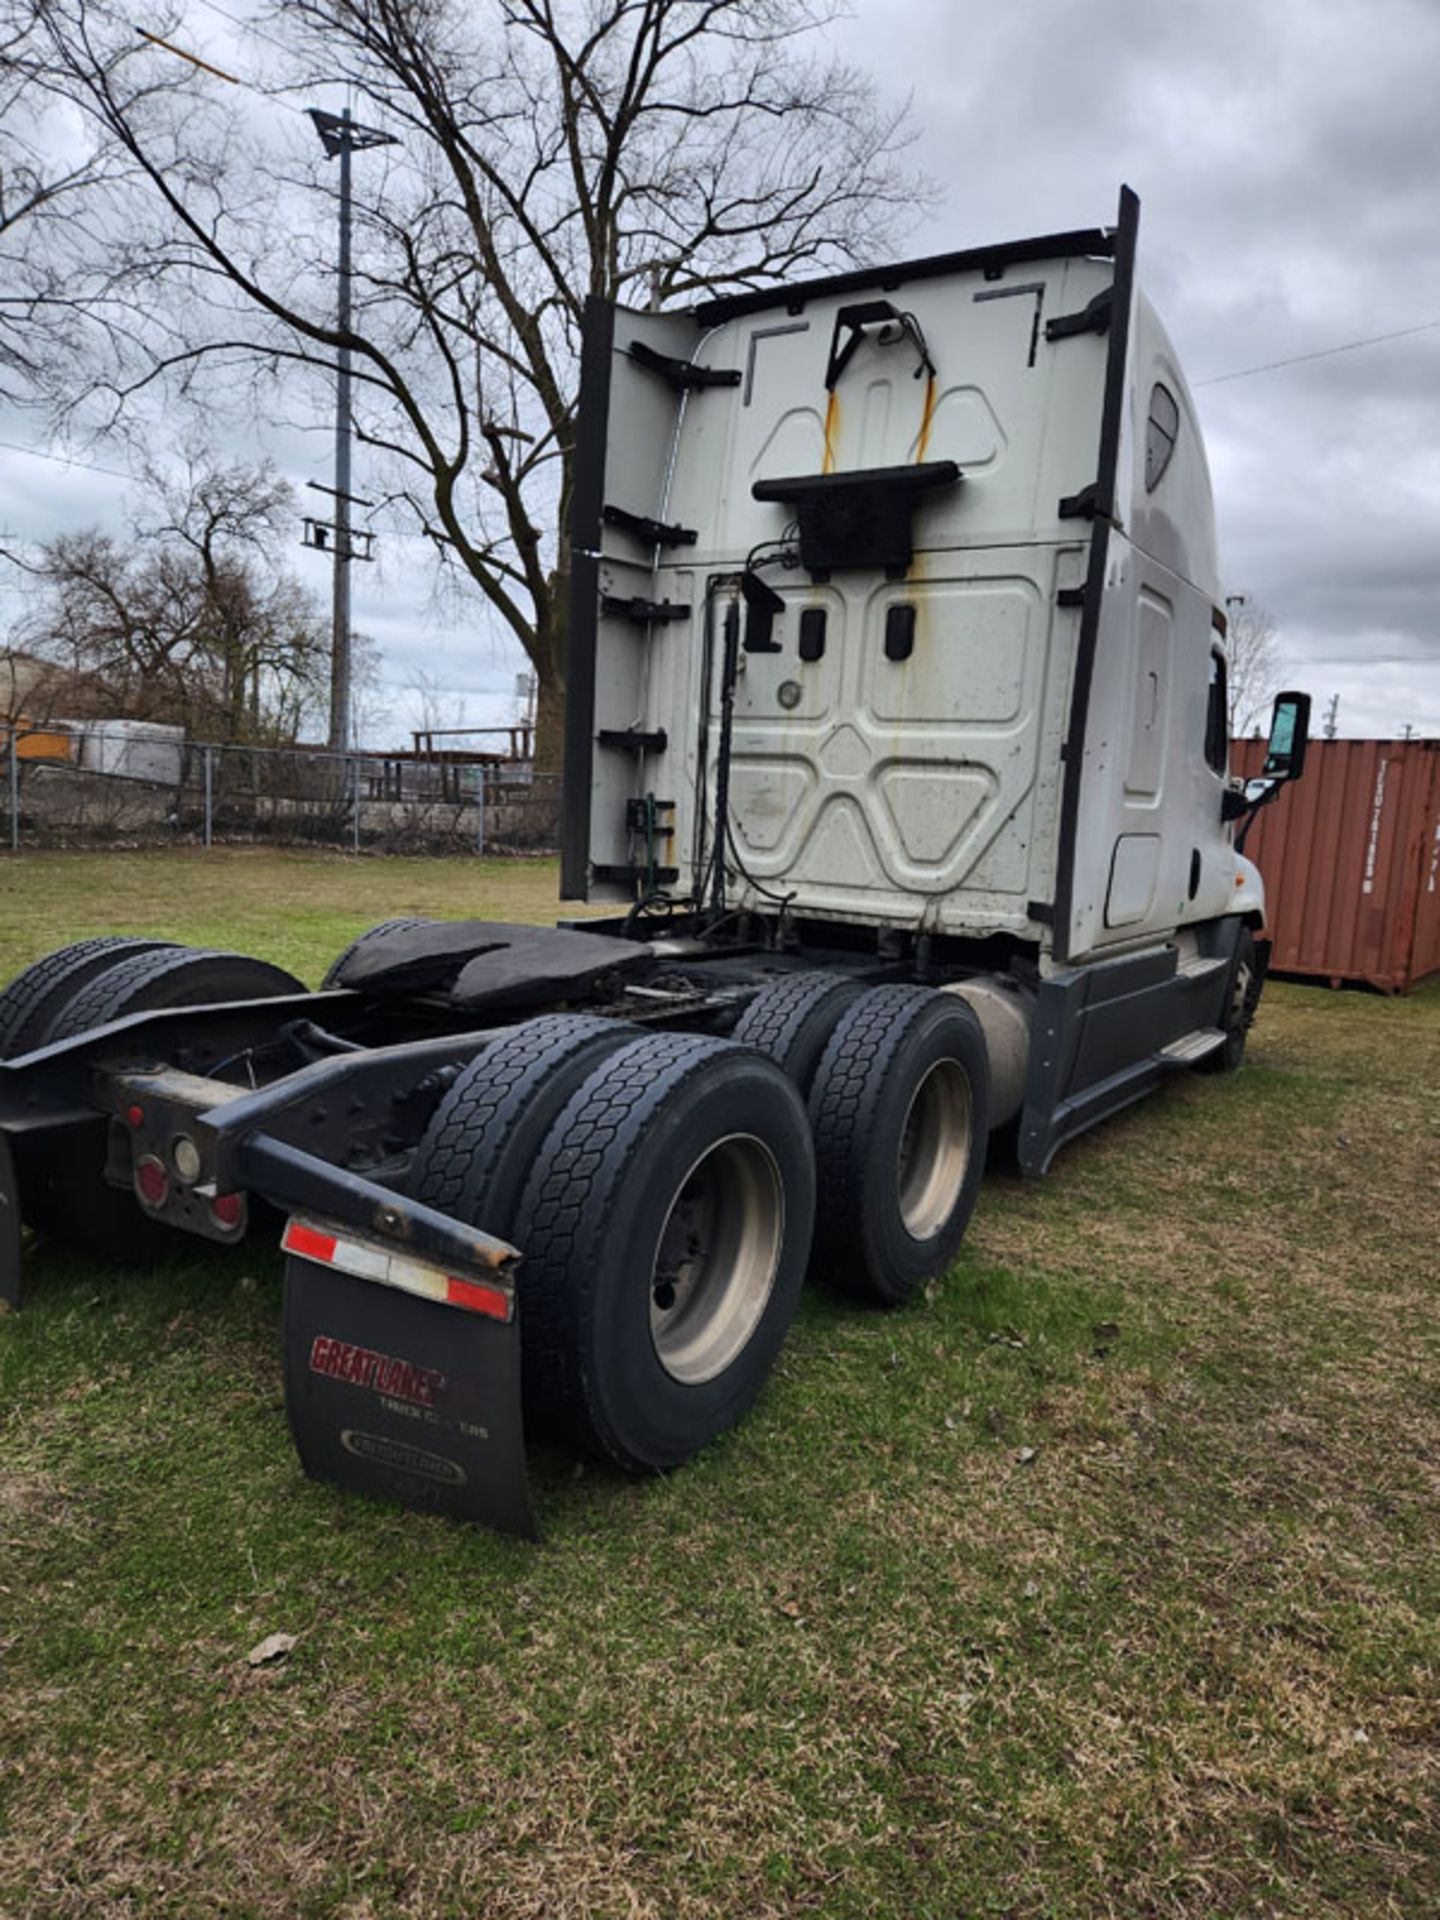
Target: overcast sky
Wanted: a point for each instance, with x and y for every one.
(1287, 157)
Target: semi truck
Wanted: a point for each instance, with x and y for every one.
(896, 765)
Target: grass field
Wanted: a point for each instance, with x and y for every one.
(1102, 1582)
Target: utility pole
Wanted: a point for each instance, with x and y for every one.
(1330, 713)
(342, 136)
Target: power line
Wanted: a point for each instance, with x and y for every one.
(1412, 660)
(65, 460)
(1322, 353)
(234, 80)
(193, 58)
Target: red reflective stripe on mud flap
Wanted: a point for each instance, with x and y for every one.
(468, 1293)
(309, 1244)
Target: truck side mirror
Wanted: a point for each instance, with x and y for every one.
(1289, 734)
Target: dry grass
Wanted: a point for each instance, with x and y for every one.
(859, 1659)
(296, 908)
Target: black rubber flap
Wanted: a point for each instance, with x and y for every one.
(540, 965)
(414, 958)
(492, 962)
(405, 1399)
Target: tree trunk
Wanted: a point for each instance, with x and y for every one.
(549, 721)
(549, 658)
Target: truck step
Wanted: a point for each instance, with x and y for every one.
(617, 606)
(618, 876)
(1191, 1047)
(633, 740)
(1200, 966)
(655, 533)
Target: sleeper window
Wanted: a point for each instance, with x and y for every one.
(1217, 716)
(1161, 435)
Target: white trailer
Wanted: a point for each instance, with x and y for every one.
(897, 742)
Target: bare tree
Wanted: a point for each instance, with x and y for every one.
(1253, 654)
(186, 621)
(646, 150)
(61, 177)
(254, 630)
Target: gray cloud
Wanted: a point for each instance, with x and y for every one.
(1286, 154)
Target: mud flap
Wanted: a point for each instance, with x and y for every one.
(406, 1399)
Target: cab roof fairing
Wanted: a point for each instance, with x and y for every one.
(1093, 242)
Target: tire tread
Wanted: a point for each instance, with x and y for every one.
(490, 1103)
(30, 1001)
(791, 1019)
(850, 1085)
(124, 988)
(587, 1154)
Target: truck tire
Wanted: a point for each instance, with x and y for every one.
(900, 1113)
(72, 1201)
(34, 997)
(183, 977)
(792, 1018)
(332, 972)
(665, 1229)
(477, 1152)
(1246, 981)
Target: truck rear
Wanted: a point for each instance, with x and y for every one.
(896, 745)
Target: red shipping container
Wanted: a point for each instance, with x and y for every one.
(1351, 858)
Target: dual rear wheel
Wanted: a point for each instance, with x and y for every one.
(897, 1082)
(69, 992)
(663, 1188)
(669, 1190)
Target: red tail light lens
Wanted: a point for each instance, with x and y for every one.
(152, 1183)
(228, 1210)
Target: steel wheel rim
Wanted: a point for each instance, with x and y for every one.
(716, 1259)
(934, 1153)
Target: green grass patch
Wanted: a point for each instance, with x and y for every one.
(1101, 1581)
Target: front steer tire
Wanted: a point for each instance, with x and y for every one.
(900, 1108)
(665, 1230)
(1246, 980)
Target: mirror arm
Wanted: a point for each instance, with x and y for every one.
(1252, 807)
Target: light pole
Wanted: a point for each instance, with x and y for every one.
(342, 136)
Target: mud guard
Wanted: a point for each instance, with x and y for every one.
(406, 1399)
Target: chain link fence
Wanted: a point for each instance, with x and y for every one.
(128, 785)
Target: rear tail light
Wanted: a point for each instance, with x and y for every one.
(227, 1210)
(152, 1183)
